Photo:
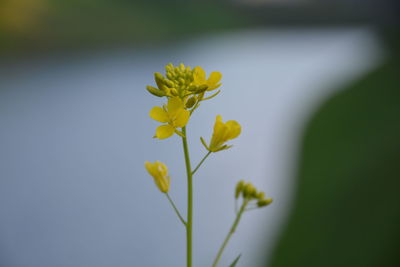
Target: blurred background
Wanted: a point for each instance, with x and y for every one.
(314, 84)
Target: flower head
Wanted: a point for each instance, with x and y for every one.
(173, 114)
(222, 133)
(212, 82)
(250, 193)
(159, 171)
(186, 83)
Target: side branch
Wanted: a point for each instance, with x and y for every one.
(231, 232)
(176, 209)
(201, 162)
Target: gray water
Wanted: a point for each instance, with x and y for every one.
(75, 133)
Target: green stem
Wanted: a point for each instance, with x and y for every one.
(231, 231)
(189, 221)
(201, 162)
(176, 209)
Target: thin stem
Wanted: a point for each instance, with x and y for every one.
(231, 231)
(176, 209)
(189, 221)
(201, 162)
(236, 206)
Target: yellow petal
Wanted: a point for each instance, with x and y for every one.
(163, 184)
(158, 114)
(213, 87)
(214, 78)
(199, 75)
(218, 138)
(218, 123)
(162, 168)
(219, 133)
(234, 129)
(174, 105)
(182, 118)
(150, 168)
(164, 131)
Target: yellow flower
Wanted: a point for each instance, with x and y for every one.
(212, 82)
(222, 133)
(173, 114)
(159, 171)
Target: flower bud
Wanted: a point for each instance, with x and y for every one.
(169, 83)
(260, 195)
(239, 188)
(254, 194)
(159, 78)
(248, 190)
(159, 172)
(264, 202)
(190, 102)
(154, 91)
(169, 67)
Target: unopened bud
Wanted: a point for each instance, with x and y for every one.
(260, 195)
(190, 102)
(254, 194)
(239, 188)
(202, 88)
(248, 190)
(174, 92)
(155, 91)
(264, 202)
(169, 75)
(169, 67)
(159, 78)
(169, 83)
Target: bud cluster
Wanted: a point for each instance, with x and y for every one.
(249, 193)
(178, 82)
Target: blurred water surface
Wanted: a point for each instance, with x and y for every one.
(75, 133)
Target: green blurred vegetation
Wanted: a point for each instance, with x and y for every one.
(36, 25)
(347, 208)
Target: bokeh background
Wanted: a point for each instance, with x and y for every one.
(314, 83)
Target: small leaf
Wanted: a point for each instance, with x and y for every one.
(235, 261)
(214, 95)
(204, 143)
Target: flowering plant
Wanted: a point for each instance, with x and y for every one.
(185, 88)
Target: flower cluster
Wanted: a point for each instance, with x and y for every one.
(188, 84)
(184, 89)
(249, 193)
